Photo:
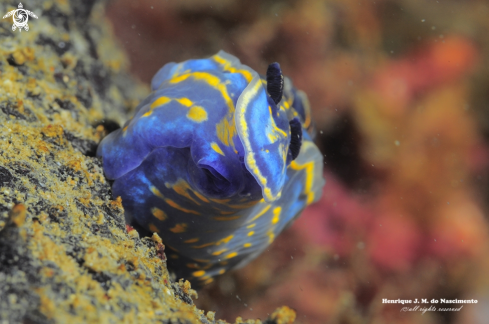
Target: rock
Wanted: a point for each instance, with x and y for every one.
(66, 255)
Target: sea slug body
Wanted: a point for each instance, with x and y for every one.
(217, 160)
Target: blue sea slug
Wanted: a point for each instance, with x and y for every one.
(218, 160)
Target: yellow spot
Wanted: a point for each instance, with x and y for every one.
(226, 218)
(197, 114)
(174, 256)
(177, 206)
(276, 215)
(125, 128)
(159, 214)
(159, 102)
(199, 273)
(156, 192)
(231, 255)
(192, 240)
(263, 211)
(179, 228)
(219, 252)
(225, 240)
(251, 226)
(223, 262)
(193, 266)
(152, 227)
(247, 245)
(222, 271)
(251, 233)
(216, 148)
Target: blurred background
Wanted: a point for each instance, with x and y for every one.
(400, 98)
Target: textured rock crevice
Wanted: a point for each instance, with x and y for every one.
(65, 253)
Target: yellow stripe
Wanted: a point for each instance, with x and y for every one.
(153, 228)
(245, 205)
(245, 100)
(203, 245)
(219, 252)
(225, 218)
(271, 237)
(226, 129)
(199, 273)
(179, 228)
(211, 80)
(201, 260)
(231, 255)
(177, 206)
(159, 102)
(185, 101)
(156, 192)
(159, 214)
(216, 148)
(220, 201)
(225, 240)
(200, 196)
(263, 211)
(208, 281)
(227, 212)
(280, 132)
(181, 187)
(226, 65)
(309, 169)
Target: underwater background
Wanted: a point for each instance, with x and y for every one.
(399, 92)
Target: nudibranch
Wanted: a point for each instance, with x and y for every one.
(217, 160)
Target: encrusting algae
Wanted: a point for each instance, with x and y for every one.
(66, 254)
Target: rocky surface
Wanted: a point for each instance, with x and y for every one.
(66, 255)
